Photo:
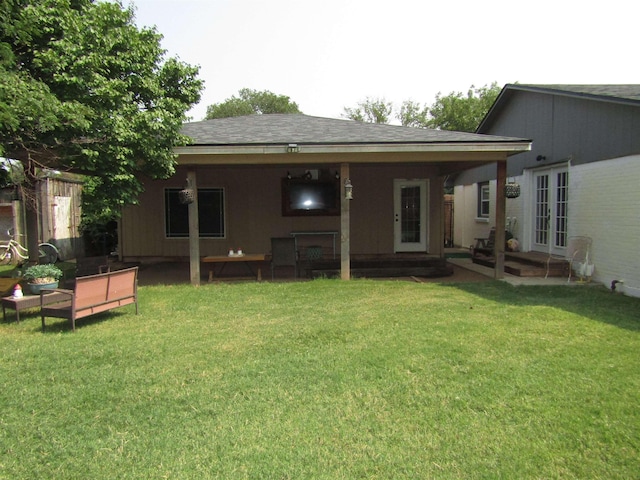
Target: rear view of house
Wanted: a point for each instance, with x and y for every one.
(369, 189)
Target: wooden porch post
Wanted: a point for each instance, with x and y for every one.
(438, 195)
(194, 232)
(345, 242)
(498, 271)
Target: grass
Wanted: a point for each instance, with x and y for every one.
(328, 379)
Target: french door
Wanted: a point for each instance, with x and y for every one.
(551, 200)
(410, 215)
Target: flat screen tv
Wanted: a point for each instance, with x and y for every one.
(302, 197)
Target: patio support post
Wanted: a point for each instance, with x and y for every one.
(194, 232)
(345, 242)
(498, 271)
(438, 187)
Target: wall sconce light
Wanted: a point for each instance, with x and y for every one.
(540, 158)
(348, 190)
(293, 148)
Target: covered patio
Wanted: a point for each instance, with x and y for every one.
(248, 158)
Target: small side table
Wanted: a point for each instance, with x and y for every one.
(28, 301)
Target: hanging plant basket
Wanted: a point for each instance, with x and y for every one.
(512, 190)
(186, 196)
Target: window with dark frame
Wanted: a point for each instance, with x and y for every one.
(210, 213)
(483, 200)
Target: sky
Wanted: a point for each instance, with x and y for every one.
(330, 54)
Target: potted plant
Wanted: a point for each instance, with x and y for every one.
(42, 276)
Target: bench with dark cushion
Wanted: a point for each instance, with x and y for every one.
(486, 246)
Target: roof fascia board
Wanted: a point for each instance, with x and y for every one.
(497, 104)
(510, 147)
(453, 158)
(569, 93)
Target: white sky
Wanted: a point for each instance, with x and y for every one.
(330, 54)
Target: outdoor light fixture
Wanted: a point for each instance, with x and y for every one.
(348, 190)
(293, 148)
(540, 158)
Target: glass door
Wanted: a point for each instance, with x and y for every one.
(551, 200)
(410, 215)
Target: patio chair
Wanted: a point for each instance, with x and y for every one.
(486, 246)
(284, 254)
(578, 257)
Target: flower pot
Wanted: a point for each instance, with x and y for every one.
(36, 287)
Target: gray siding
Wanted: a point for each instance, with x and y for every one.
(561, 127)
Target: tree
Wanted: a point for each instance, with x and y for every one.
(372, 110)
(462, 113)
(251, 102)
(412, 114)
(83, 89)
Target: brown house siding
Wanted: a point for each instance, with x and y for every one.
(253, 211)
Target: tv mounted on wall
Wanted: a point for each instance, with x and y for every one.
(305, 196)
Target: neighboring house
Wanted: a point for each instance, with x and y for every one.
(250, 171)
(581, 177)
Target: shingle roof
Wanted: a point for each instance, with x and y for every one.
(282, 129)
(603, 92)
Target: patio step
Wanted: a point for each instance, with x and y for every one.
(527, 264)
(376, 267)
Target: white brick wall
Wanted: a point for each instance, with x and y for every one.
(604, 203)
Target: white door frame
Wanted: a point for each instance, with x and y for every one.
(548, 227)
(410, 232)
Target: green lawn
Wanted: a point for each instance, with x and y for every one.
(329, 379)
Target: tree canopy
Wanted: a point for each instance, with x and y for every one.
(454, 111)
(83, 89)
(249, 102)
(460, 112)
(371, 110)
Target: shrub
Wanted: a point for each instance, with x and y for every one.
(44, 273)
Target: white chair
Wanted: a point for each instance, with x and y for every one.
(578, 257)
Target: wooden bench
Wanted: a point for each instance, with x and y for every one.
(93, 294)
(486, 246)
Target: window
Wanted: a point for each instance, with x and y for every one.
(210, 213)
(483, 199)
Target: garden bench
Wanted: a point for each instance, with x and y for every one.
(486, 246)
(93, 294)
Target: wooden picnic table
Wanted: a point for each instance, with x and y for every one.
(247, 259)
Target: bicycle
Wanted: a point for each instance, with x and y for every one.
(13, 253)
